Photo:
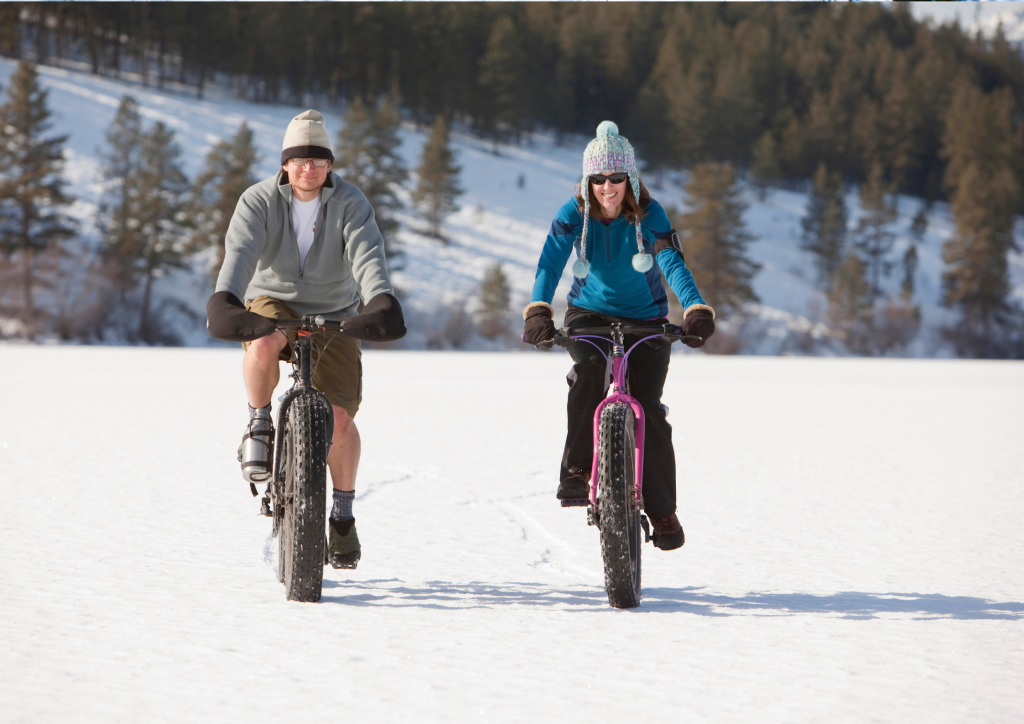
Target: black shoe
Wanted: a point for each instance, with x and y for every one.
(573, 488)
(343, 549)
(668, 533)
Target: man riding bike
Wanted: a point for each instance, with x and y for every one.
(304, 242)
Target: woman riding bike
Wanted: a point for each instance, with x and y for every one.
(623, 241)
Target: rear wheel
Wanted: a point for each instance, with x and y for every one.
(301, 532)
(619, 518)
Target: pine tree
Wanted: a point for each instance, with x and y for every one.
(163, 189)
(229, 172)
(909, 269)
(918, 227)
(715, 238)
(368, 159)
(825, 223)
(146, 234)
(437, 187)
(495, 295)
(981, 147)
(872, 237)
(31, 186)
(10, 35)
(119, 211)
(850, 308)
(502, 70)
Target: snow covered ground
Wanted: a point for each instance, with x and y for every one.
(854, 549)
(500, 219)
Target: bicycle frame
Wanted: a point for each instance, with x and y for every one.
(617, 394)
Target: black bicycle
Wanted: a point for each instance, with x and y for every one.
(296, 490)
(297, 479)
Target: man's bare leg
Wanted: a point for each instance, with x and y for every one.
(260, 368)
(343, 459)
(261, 372)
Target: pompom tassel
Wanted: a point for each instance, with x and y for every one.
(643, 262)
(581, 268)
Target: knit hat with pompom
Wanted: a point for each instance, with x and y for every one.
(609, 153)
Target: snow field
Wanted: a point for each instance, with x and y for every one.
(853, 549)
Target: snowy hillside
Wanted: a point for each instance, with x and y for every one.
(500, 220)
(853, 549)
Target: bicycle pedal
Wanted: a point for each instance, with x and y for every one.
(574, 502)
(265, 508)
(647, 528)
(592, 516)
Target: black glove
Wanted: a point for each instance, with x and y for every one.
(699, 322)
(539, 325)
(229, 320)
(380, 321)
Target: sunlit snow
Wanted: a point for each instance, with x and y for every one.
(853, 549)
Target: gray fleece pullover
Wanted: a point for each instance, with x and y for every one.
(344, 265)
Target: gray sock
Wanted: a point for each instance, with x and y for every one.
(342, 509)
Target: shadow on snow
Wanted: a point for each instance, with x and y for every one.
(850, 604)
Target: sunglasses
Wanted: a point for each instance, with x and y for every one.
(615, 178)
(317, 162)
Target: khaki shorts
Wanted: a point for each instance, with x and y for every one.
(337, 368)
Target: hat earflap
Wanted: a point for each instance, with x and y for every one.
(642, 261)
(581, 267)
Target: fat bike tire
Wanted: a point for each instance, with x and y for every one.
(304, 500)
(619, 518)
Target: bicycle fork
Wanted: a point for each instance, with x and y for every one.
(617, 394)
(302, 374)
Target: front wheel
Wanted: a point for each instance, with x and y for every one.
(301, 533)
(619, 518)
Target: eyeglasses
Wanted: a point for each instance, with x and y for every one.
(615, 178)
(317, 162)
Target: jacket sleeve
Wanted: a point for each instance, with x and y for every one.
(229, 320)
(380, 321)
(364, 250)
(679, 277)
(243, 244)
(670, 258)
(557, 248)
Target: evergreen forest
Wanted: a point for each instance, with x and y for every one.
(805, 95)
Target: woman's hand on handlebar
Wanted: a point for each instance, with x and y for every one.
(539, 327)
(698, 325)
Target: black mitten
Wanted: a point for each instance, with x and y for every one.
(380, 321)
(539, 325)
(229, 320)
(700, 323)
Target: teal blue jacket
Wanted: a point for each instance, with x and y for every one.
(613, 286)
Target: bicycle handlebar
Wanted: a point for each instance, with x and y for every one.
(668, 332)
(311, 324)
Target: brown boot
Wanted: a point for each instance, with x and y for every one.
(668, 533)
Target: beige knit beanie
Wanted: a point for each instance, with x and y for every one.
(306, 137)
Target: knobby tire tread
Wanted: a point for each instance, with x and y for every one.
(301, 543)
(619, 521)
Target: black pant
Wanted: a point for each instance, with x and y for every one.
(648, 367)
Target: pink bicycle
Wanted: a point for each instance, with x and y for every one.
(616, 484)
